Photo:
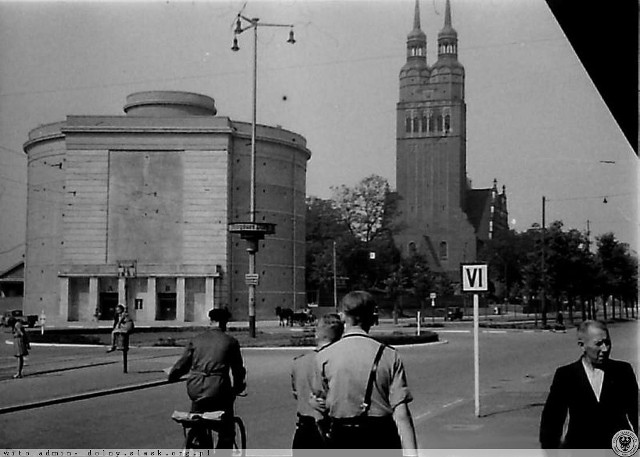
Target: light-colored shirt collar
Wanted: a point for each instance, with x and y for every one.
(354, 330)
(595, 377)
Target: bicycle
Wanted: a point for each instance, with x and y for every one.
(202, 427)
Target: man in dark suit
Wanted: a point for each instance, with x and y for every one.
(599, 394)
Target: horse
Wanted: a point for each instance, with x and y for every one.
(303, 318)
(285, 315)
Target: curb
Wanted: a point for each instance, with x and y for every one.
(78, 345)
(310, 348)
(83, 396)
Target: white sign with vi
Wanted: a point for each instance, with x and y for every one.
(475, 277)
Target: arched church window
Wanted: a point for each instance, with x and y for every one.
(444, 250)
(439, 123)
(416, 126)
(431, 123)
(408, 124)
(424, 122)
(447, 123)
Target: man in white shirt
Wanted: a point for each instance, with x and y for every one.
(599, 394)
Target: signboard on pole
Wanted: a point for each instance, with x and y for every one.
(251, 279)
(475, 277)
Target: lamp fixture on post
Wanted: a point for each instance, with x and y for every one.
(252, 231)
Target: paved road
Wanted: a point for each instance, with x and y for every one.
(516, 369)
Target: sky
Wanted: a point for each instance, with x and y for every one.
(535, 121)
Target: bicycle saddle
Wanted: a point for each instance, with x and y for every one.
(185, 417)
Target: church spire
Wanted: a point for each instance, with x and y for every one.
(417, 40)
(447, 15)
(416, 16)
(447, 37)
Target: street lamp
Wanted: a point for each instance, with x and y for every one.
(543, 299)
(252, 231)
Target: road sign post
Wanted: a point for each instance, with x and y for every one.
(432, 296)
(252, 232)
(475, 279)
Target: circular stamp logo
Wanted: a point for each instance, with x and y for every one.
(625, 443)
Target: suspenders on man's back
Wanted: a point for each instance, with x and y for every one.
(366, 403)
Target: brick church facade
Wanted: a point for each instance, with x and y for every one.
(441, 216)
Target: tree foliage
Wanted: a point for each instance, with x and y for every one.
(359, 222)
(573, 273)
(363, 207)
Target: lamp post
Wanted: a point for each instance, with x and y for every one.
(543, 298)
(252, 231)
(335, 279)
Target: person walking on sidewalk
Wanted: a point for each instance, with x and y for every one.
(21, 345)
(365, 386)
(308, 434)
(599, 394)
(122, 324)
(210, 358)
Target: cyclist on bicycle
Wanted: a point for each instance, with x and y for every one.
(209, 358)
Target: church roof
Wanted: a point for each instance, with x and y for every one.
(478, 200)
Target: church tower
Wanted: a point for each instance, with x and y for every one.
(431, 153)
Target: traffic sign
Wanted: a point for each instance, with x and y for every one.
(251, 279)
(474, 277)
(432, 295)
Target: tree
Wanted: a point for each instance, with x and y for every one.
(368, 210)
(618, 271)
(364, 206)
(324, 226)
(571, 268)
(506, 255)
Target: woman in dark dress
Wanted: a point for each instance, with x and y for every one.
(21, 345)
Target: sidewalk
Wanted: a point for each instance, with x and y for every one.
(508, 420)
(92, 374)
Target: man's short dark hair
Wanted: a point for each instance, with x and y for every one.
(359, 306)
(219, 315)
(330, 327)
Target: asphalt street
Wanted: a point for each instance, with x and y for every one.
(515, 373)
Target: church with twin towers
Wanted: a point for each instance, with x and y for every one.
(441, 217)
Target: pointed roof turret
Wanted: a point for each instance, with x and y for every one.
(415, 72)
(417, 39)
(416, 16)
(447, 20)
(447, 37)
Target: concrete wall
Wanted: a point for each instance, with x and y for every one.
(280, 199)
(46, 175)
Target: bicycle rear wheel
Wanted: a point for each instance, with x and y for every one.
(240, 441)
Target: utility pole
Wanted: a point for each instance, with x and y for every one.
(543, 298)
(335, 279)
